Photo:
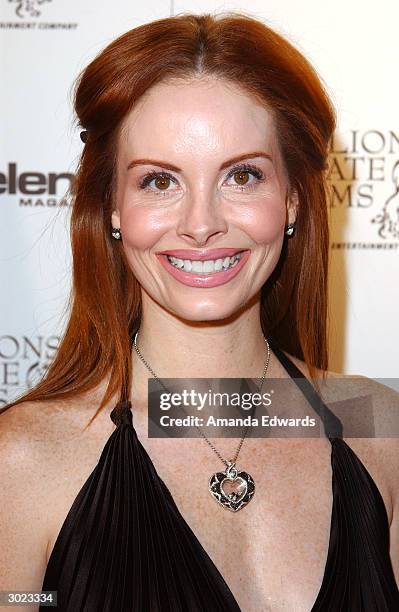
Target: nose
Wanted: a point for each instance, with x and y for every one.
(201, 219)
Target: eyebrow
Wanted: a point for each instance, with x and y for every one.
(226, 164)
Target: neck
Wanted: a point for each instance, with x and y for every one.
(177, 348)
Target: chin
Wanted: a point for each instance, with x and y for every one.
(204, 313)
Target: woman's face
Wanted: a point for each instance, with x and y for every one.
(199, 169)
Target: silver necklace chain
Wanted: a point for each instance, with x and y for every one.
(227, 463)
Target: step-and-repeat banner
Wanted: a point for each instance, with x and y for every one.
(45, 44)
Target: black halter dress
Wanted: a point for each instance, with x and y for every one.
(125, 547)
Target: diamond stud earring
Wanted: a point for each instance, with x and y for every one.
(116, 233)
(289, 230)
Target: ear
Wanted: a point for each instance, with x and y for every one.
(115, 219)
(292, 204)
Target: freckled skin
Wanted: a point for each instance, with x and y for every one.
(197, 126)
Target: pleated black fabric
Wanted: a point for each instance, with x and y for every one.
(358, 576)
(125, 547)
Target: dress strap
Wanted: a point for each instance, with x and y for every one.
(332, 424)
(122, 413)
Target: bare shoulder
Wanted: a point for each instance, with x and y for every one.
(43, 435)
(45, 419)
(44, 456)
(382, 403)
(23, 511)
(379, 400)
(371, 407)
(301, 365)
(27, 431)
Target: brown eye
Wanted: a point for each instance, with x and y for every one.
(162, 182)
(241, 177)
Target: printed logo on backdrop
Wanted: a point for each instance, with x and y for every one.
(36, 189)
(364, 179)
(388, 218)
(23, 361)
(29, 14)
(28, 8)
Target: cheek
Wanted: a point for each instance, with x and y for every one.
(142, 229)
(264, 223)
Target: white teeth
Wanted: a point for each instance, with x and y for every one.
(208, 266)
(205, 267)
(196, 266)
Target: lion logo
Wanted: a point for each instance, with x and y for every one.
(28, 8)
(388, 218)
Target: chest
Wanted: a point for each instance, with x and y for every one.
(272, 552)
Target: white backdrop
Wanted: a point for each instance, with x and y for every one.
(45, 44)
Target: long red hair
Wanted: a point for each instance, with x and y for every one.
(105, 302)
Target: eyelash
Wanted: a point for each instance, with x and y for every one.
(254, 170)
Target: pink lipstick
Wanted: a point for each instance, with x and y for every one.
(204, 279)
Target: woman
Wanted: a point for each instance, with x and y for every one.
(204, 137)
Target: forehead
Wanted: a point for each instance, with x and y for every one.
(201, 114)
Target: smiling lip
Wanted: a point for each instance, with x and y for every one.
(204, 280)
(201, 255)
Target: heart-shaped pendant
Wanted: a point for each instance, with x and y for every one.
(231, 488)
